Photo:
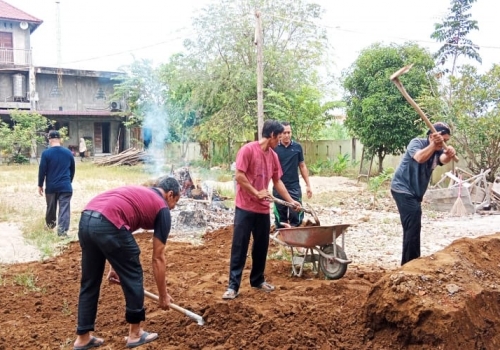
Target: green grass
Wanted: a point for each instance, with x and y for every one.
(21, 204)
(27, 280)
(2, 279)
(66, 308)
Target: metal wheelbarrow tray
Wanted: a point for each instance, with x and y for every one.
(320, 243)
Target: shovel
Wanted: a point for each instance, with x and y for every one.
(188, 313)
(290, 205)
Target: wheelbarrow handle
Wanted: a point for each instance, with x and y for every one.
(290, 205)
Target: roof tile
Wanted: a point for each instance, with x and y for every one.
(9, 12)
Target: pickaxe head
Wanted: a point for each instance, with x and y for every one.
(401, 71)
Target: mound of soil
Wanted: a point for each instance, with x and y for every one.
(449, 300)
(422, 305)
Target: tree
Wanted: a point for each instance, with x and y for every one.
(453, 32)
(21, 137)
(303, 109)
(146, 96)
(476, 115)
(377, 114)
(225, 90)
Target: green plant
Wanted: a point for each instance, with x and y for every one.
(338, 166)
(2, 280)
(66, 310)
(281, 254)
(375, 183)
(19, 159)
(341, 164)
(27, 280)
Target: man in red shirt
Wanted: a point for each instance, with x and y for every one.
(256, 165)
(105, 233)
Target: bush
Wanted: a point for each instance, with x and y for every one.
(338, 167)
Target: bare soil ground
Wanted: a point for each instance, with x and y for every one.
(448, 299)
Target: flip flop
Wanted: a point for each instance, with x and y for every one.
(230, 294)
(93, 343)
(266, 287)
(142, 340)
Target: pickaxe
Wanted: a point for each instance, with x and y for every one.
(395, 80)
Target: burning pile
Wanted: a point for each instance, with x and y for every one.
(200, 206)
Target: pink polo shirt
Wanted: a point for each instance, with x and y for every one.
(259, 167)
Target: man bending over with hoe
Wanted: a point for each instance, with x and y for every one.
(105, 233)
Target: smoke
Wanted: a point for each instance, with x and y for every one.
(156, 136)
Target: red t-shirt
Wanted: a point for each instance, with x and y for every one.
(259, 167)
(134, 207)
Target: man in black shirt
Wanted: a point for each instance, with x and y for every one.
(291, 157)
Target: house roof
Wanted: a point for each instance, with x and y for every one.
(11, 13)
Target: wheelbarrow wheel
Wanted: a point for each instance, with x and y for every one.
(331, 268)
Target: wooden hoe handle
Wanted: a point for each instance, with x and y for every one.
(395, 80)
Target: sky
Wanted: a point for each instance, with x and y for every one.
(107, 34)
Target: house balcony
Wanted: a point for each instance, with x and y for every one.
(15, 57)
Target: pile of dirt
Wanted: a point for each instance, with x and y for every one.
(422, 305)
(450, 299)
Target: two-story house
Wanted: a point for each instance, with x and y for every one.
(77, 99)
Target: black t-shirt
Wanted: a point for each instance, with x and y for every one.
(290, 157)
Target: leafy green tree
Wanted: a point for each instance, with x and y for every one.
(302, 108)
(377, 114)
(453, 32)
(21, 138)
(142, 89)
(475, 112)
(225, 71)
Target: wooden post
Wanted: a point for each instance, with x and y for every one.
(260, 74)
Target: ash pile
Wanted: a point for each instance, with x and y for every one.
(201, 207)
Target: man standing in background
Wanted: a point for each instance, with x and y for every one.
(57, 169)
(291, 157)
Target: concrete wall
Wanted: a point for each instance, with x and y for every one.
(74, 94)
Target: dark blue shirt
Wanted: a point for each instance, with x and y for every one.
(412, 177)
(290, 157)
(57, 169)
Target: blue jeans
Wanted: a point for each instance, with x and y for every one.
(100, 240)
(410, 212)
(64, 200)
(246, 223)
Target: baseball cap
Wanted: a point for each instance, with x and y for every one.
(54, 134)
(442, 128)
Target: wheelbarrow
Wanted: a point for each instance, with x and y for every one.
(321, 248)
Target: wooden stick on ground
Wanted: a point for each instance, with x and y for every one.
(458, 208)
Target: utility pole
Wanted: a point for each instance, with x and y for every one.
(59, 55)
(260, 74)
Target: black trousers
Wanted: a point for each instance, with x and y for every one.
(63, 199)
(245, 224)
(410, 212)
(282, 213)
(100, 240)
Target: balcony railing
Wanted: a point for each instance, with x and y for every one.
(16, 57)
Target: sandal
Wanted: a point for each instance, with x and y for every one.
(93, 343)
(143, 340)
(266, 287)
(230, 294)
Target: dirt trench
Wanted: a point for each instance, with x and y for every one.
(423, 305)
